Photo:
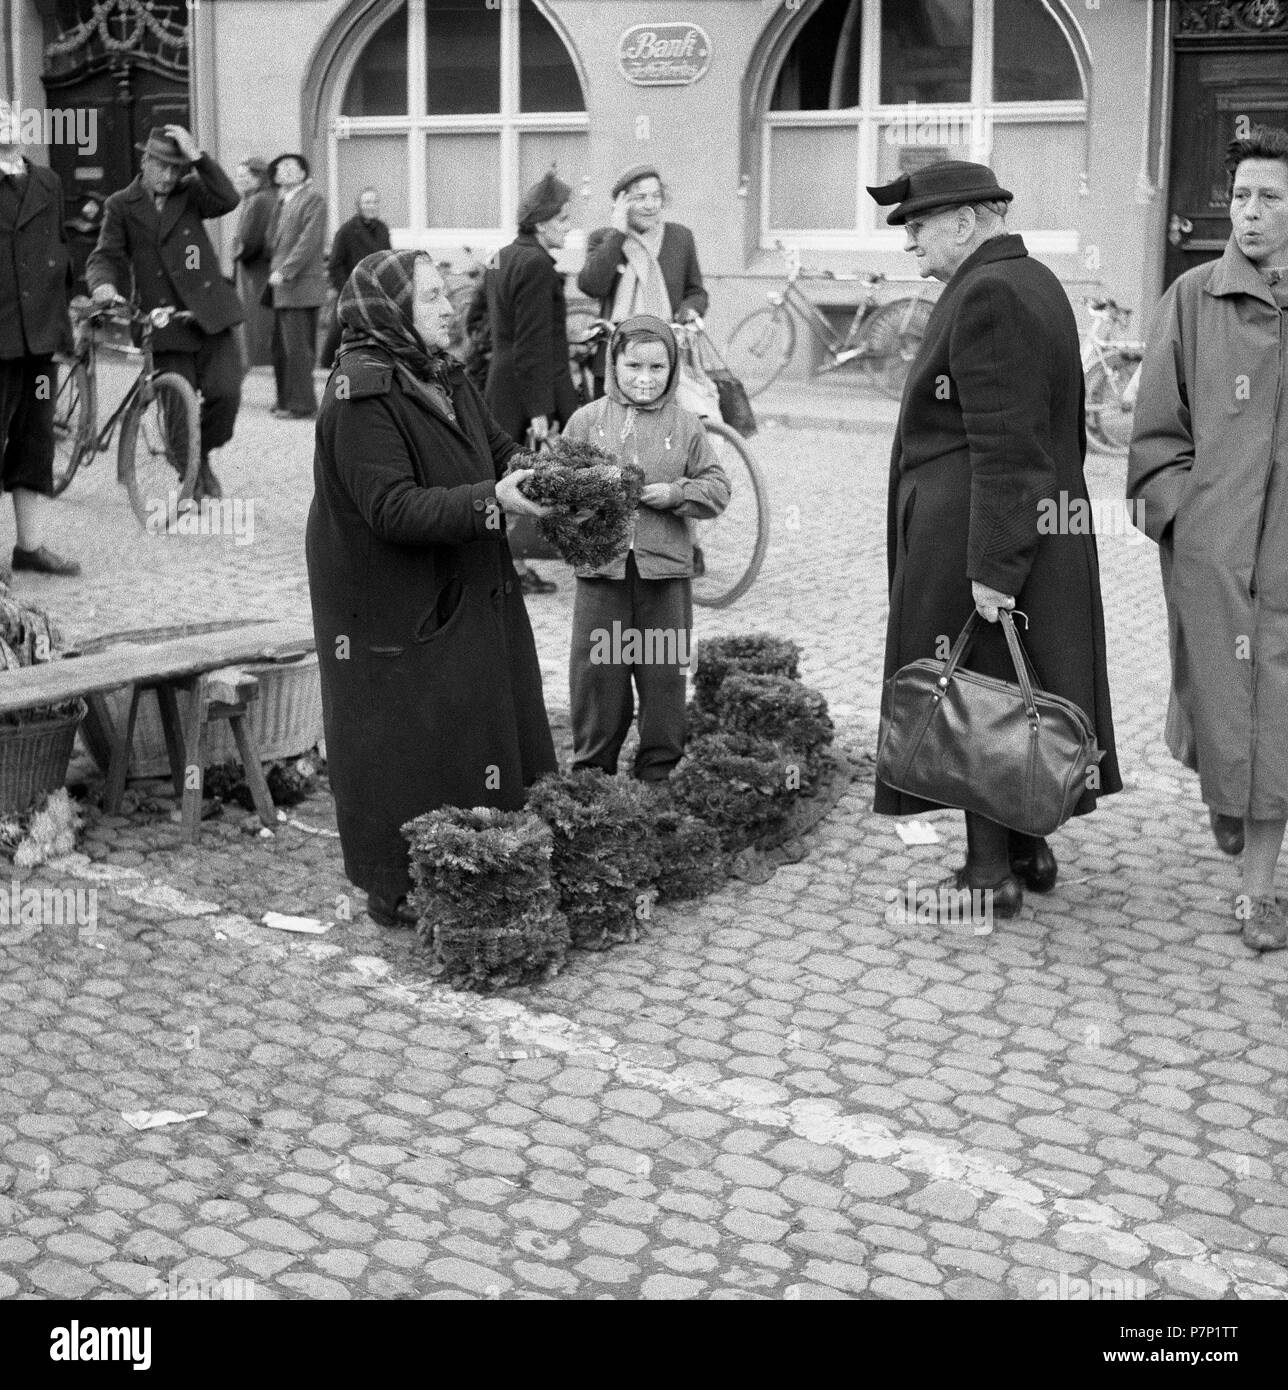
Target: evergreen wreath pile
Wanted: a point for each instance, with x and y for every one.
(484, 895)
(752, 653)
(593, 496)
(779, 709)
(741, 786)
(603, 864)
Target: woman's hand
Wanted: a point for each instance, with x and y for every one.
(988, 601)
(657, 496)
(512, 500)
(621, 213)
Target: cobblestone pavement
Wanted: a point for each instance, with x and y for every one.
(777, 1094)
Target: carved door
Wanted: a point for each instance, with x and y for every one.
(1231, 72)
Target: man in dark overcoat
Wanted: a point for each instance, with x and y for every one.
(991, 436)
(35, 279)
(252, 259)
(153, 237)
(297, 283)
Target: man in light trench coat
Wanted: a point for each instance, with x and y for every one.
(1208, 473)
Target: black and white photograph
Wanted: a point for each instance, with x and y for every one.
(643, 658)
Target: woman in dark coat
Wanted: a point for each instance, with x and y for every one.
(529, 382)
(252, 258)
(431, 690)
(991, 437)
(362, 234)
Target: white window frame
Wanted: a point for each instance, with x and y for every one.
(868, 119)
(509, 124)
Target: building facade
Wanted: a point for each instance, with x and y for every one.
(1106, 118)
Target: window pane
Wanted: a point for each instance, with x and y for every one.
(812, 178)
(547, 78)
(568, 151)
(377, 161)
(462, 180)
(821, 70)
(463, 58)
(925, 50)
(905, 145)
(1040, 163)
(378, 85)
(1032, 60)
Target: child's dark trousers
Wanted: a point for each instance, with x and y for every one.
(605, 614)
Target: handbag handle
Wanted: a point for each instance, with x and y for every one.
(1018, 659)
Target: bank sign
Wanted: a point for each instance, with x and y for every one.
(664, 55)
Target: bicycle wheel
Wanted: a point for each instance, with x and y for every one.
(891, 338)
(760, 347)
(1109, 417)
(730, 548)
(74, 416)
(160, 448)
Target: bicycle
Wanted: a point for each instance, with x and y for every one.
(728, 550)
(159, 451)
(1111, 363)
(882, 339)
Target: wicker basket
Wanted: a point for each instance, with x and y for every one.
(34, 758)
(286, 719)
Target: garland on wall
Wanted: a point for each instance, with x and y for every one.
(114, 28)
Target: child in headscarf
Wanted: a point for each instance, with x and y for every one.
(633, 617)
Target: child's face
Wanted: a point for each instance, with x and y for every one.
(642, 370)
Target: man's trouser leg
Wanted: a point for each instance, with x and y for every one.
(298, 334)
(219, 378)
(183, 364)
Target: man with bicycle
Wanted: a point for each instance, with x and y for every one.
(153, 234)
(35, 279)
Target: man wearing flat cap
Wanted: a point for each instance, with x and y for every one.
(153, 239)
(991, 435)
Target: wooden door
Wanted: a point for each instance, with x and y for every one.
(1226, 78)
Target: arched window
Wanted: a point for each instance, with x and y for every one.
(867, 89)
(451, 109)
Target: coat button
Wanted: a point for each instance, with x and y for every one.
(508, 586)
(478, 504)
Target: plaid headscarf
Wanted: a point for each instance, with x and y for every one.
(375, 310)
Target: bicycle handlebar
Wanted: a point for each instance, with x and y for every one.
(124, 311)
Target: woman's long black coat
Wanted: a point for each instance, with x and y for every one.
(431, 690)
(991, 428)
(530, 374)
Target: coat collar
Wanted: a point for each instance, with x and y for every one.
(1234, 273)
(999, 248)
(35, 196)
(530, 239)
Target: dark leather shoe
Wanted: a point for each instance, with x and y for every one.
(1033, 862)
(43, 561)
(532, 583)
(387, 914)
(1226, 830)
(1008, 895)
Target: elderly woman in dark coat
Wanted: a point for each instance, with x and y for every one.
(991, 436)
(252, 259)
(431, 690)
(529, 382)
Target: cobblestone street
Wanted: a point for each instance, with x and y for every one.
(776, 1095)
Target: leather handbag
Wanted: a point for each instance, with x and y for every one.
(1009, 751)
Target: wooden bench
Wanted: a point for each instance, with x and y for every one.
(191, 666)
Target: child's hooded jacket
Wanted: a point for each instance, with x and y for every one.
(671, 446)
